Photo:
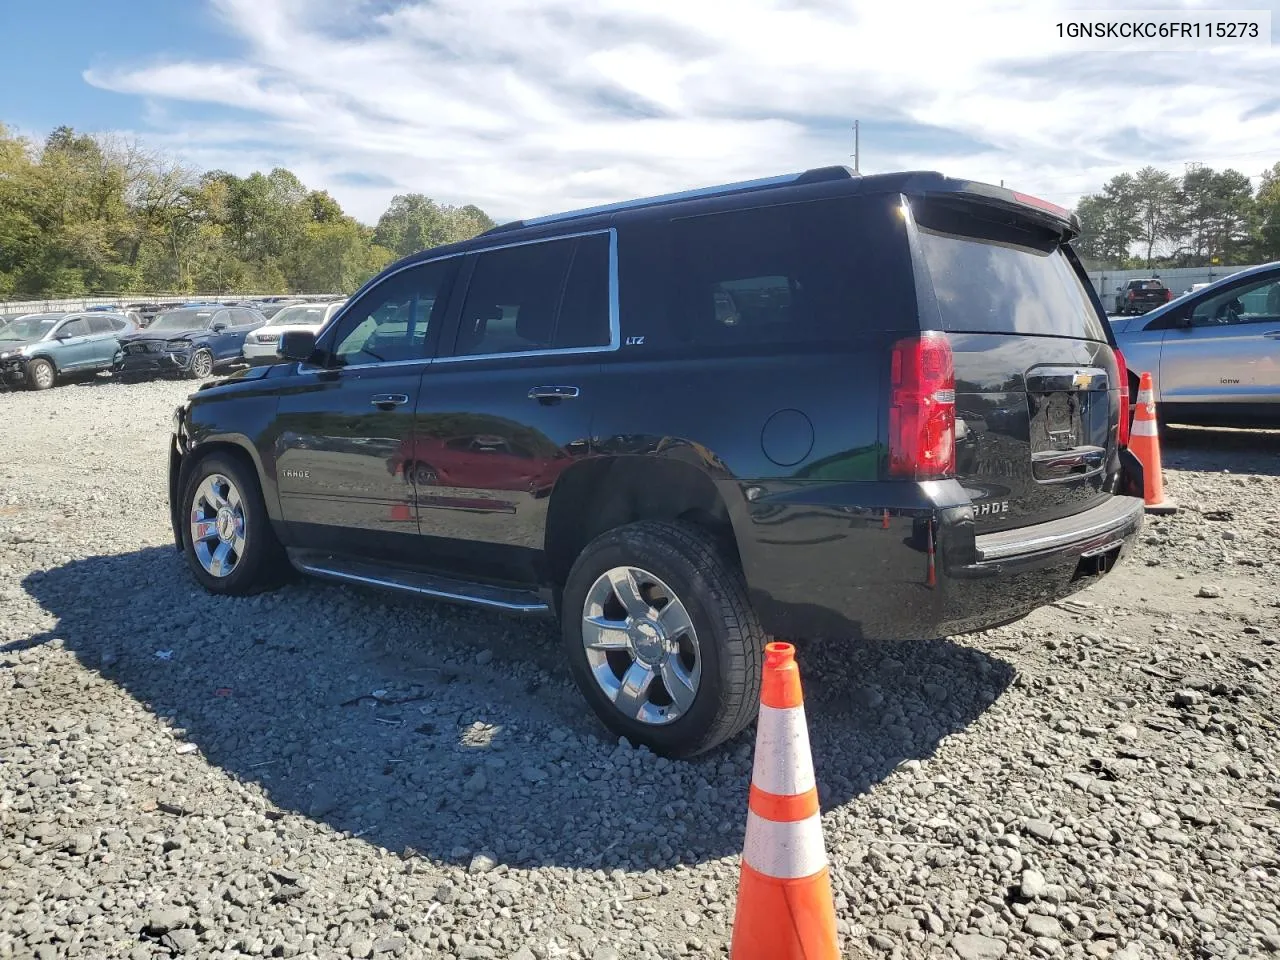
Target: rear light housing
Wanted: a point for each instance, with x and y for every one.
(922, 408)
(1168, 295)
(1123, 436)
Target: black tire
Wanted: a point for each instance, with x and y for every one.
(201, 364)
(731, 643)
(41, 374)
(264, 564)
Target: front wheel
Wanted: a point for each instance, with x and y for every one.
(661, 639)
(201, 364)
(40, 375)
(226, 535)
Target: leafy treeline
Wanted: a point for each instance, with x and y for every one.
(83, 213)
(1206, 216)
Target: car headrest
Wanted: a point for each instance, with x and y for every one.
(1273, 300)
(534, 322)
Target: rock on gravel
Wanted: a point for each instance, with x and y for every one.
(382, 777)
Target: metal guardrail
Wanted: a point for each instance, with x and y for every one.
(68, 304)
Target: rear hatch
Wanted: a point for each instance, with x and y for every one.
(1148, 293)
(1037, 392)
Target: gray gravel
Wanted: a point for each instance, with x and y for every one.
(330, 772)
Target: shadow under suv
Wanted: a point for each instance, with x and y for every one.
(814, 406)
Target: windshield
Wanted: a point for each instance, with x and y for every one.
(306, 315)
(31, 328)
(177, 320)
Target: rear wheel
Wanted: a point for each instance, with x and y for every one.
(40, 375)
(661, 639)
(226, 534)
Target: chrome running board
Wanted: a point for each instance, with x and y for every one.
(490, 596)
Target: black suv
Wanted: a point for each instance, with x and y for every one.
(1139, 296)
(818, 405)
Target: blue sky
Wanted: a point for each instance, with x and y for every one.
(526, 108)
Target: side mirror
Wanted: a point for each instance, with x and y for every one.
(218, 327)
(297, 345)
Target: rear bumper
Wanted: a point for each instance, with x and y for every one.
(913, 568)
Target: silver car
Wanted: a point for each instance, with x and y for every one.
(1214, 354)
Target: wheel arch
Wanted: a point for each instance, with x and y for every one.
(234, 445)
(603, 493)
(48, 358)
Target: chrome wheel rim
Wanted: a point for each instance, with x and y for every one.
(641, 646)
(217, 525)
(202, 364)
(43, 375)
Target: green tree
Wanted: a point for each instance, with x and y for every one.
(1158, 206)
(1217, 215)
(1267, 211)
(84, 213)
(415, 222)
(1110, 221)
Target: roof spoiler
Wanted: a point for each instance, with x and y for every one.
(1022, 203)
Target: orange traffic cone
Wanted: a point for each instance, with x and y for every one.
(785, 908)
(1144, 441)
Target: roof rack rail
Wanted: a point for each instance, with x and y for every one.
(815, 175)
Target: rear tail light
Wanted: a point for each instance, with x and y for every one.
(1168, 295)
(922, 408)
(1123, 436)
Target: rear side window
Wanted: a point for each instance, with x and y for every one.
(546, 295)
(584, 309)
(996, 276)
(818, 270)
(100, 325)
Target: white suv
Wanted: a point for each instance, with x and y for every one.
(263, 344)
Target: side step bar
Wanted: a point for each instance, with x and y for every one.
(347, 570)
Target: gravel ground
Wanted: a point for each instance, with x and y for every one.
(330, 772)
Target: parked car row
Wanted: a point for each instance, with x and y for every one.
(194, 340)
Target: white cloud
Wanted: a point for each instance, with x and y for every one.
(526, 109)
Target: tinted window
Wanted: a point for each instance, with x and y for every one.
(1256, 302)
(100, 325)
(244, 318)
(998, 277)
(584, 309)
(118, 324)
(74, 328)
(513, 298)
(791, 272)
(392, 320)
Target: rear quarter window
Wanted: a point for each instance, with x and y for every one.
(993, 275)
(818, 270)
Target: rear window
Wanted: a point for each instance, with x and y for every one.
(999, 276)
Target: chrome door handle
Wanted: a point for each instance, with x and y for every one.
(553, 393)
(388, 400)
